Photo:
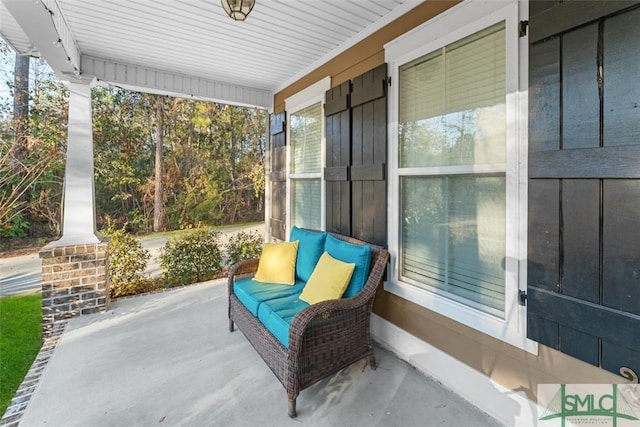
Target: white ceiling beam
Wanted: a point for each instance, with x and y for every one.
(43, 22)
(146, 79)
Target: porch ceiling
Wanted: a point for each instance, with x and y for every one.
(191, 47)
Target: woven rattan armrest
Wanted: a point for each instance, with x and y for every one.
(241, 269)
(326, 315)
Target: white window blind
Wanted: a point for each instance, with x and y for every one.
(306, 166)
(450, 102)
(452, 118)
(453, 236)
(306, 201)
(306, 137)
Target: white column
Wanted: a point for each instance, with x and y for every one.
(79, 217)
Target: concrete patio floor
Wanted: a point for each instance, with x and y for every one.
(167, 359)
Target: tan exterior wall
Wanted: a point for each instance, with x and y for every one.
(509, 366)
(505, 364)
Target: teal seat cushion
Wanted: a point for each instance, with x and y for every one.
(360, 255)
(251, 293)
(276, 315)
(310, 249)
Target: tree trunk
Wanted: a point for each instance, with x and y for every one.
(20, 112)
(158, 204)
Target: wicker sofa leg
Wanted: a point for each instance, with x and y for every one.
(292, 408)
(230, 325)
(372, 361)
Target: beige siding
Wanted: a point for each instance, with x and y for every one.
(507, 365)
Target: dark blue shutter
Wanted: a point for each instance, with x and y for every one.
(338, 154)
(277, 177)
(584, 181)
(356, 157)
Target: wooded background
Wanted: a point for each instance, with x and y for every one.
(161, 163)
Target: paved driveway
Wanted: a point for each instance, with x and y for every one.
(20, 274)
(23, 273)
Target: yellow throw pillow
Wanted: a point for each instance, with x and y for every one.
(277, 263)
(328, 281)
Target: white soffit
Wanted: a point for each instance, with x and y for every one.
(281, 41)
(11, 32)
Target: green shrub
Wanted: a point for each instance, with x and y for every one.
(127, 263)
(17, 227)
(242, 246)
(191, 258)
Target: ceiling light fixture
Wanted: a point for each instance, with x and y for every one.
(238, 10)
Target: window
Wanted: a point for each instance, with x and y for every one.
(454, 170)
(306, 165)
(453, 237)
(306, 157)
(452, 120)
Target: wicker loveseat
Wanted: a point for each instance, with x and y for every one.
(323, 338)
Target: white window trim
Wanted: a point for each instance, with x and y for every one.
(306, 97)
(465, 19)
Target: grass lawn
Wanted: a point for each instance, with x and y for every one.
(20, 341)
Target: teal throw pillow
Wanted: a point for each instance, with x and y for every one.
(310, 249)
(360, 255)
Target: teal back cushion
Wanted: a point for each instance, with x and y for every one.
(310, 249)
(350, 252)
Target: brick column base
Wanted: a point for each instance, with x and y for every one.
(75, 281)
